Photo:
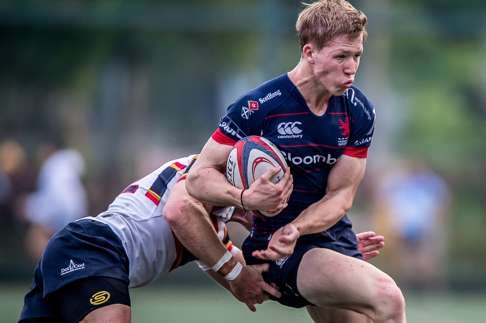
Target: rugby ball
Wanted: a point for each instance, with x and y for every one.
(250, 158)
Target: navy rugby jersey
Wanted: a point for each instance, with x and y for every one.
(311, 144)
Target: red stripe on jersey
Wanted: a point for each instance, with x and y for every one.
(178, 166)
(221, 138)
(311, 145)
(154, 197)
(286, 114)
(360, 152)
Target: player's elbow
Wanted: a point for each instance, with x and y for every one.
(192, 182)
(178, 212)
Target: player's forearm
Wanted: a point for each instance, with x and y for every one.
(194, 230)
(209, 185)
(322, 215)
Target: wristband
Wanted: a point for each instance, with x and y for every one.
(224, 259)
(235, 272)
(241, 199)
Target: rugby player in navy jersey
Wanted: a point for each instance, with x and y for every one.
(323, 125)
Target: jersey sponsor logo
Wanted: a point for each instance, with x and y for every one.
(247, 111)
(71, 267)
(289, 129)
(362, 141)
(269, 96)
(230, 128)
(100, 297)
(310, 159)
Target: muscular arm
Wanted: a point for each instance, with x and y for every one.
(190, 222)
(343, 183)
(207, 182)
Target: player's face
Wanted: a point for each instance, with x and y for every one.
(336, 64)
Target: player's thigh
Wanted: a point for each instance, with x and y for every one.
(93, 299)
(328, 278)
(115, 313)
(325, 314)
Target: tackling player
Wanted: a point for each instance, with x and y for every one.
(323, 125)
(88, 266)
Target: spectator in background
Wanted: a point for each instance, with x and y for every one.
(16, 178)
(412, 202)
(60, 196)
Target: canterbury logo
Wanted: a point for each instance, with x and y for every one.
(100, 297)
(289, 128)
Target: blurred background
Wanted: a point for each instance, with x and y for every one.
(94, 94)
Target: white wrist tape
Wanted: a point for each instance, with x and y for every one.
(202, 266)
(235, 272)
(224, 259)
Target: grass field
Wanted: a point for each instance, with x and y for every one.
(213, 305)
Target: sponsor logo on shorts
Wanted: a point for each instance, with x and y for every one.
(289, 129)
(71, 267)
(100, 297)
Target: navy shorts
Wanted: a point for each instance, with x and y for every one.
(283, 272)
(82, 250)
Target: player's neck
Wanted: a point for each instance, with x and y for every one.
(316, 97)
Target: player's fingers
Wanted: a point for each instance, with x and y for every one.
(365, 235)
(377, 239)
(269, 289)
(265, 255)
(371, 254)
(261, 267)
(270, 173)
(251, 307)
(369, 248)
(277, 252)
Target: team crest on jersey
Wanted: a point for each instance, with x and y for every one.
(345, 132)
(247, 111)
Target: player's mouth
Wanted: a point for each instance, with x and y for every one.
(348, 84)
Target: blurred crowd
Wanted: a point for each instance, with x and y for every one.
(40, 192)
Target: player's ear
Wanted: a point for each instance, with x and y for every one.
(308, 53)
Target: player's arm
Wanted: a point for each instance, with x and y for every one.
(207, 182)
(189, 220)
(343, 183)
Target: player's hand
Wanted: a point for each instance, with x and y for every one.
(250, 288)
(369, 244)
(266, 196)
(281, 244)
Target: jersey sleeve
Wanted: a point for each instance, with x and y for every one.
(242, 118)
(362, 124)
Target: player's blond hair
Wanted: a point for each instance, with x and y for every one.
(323, 20)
